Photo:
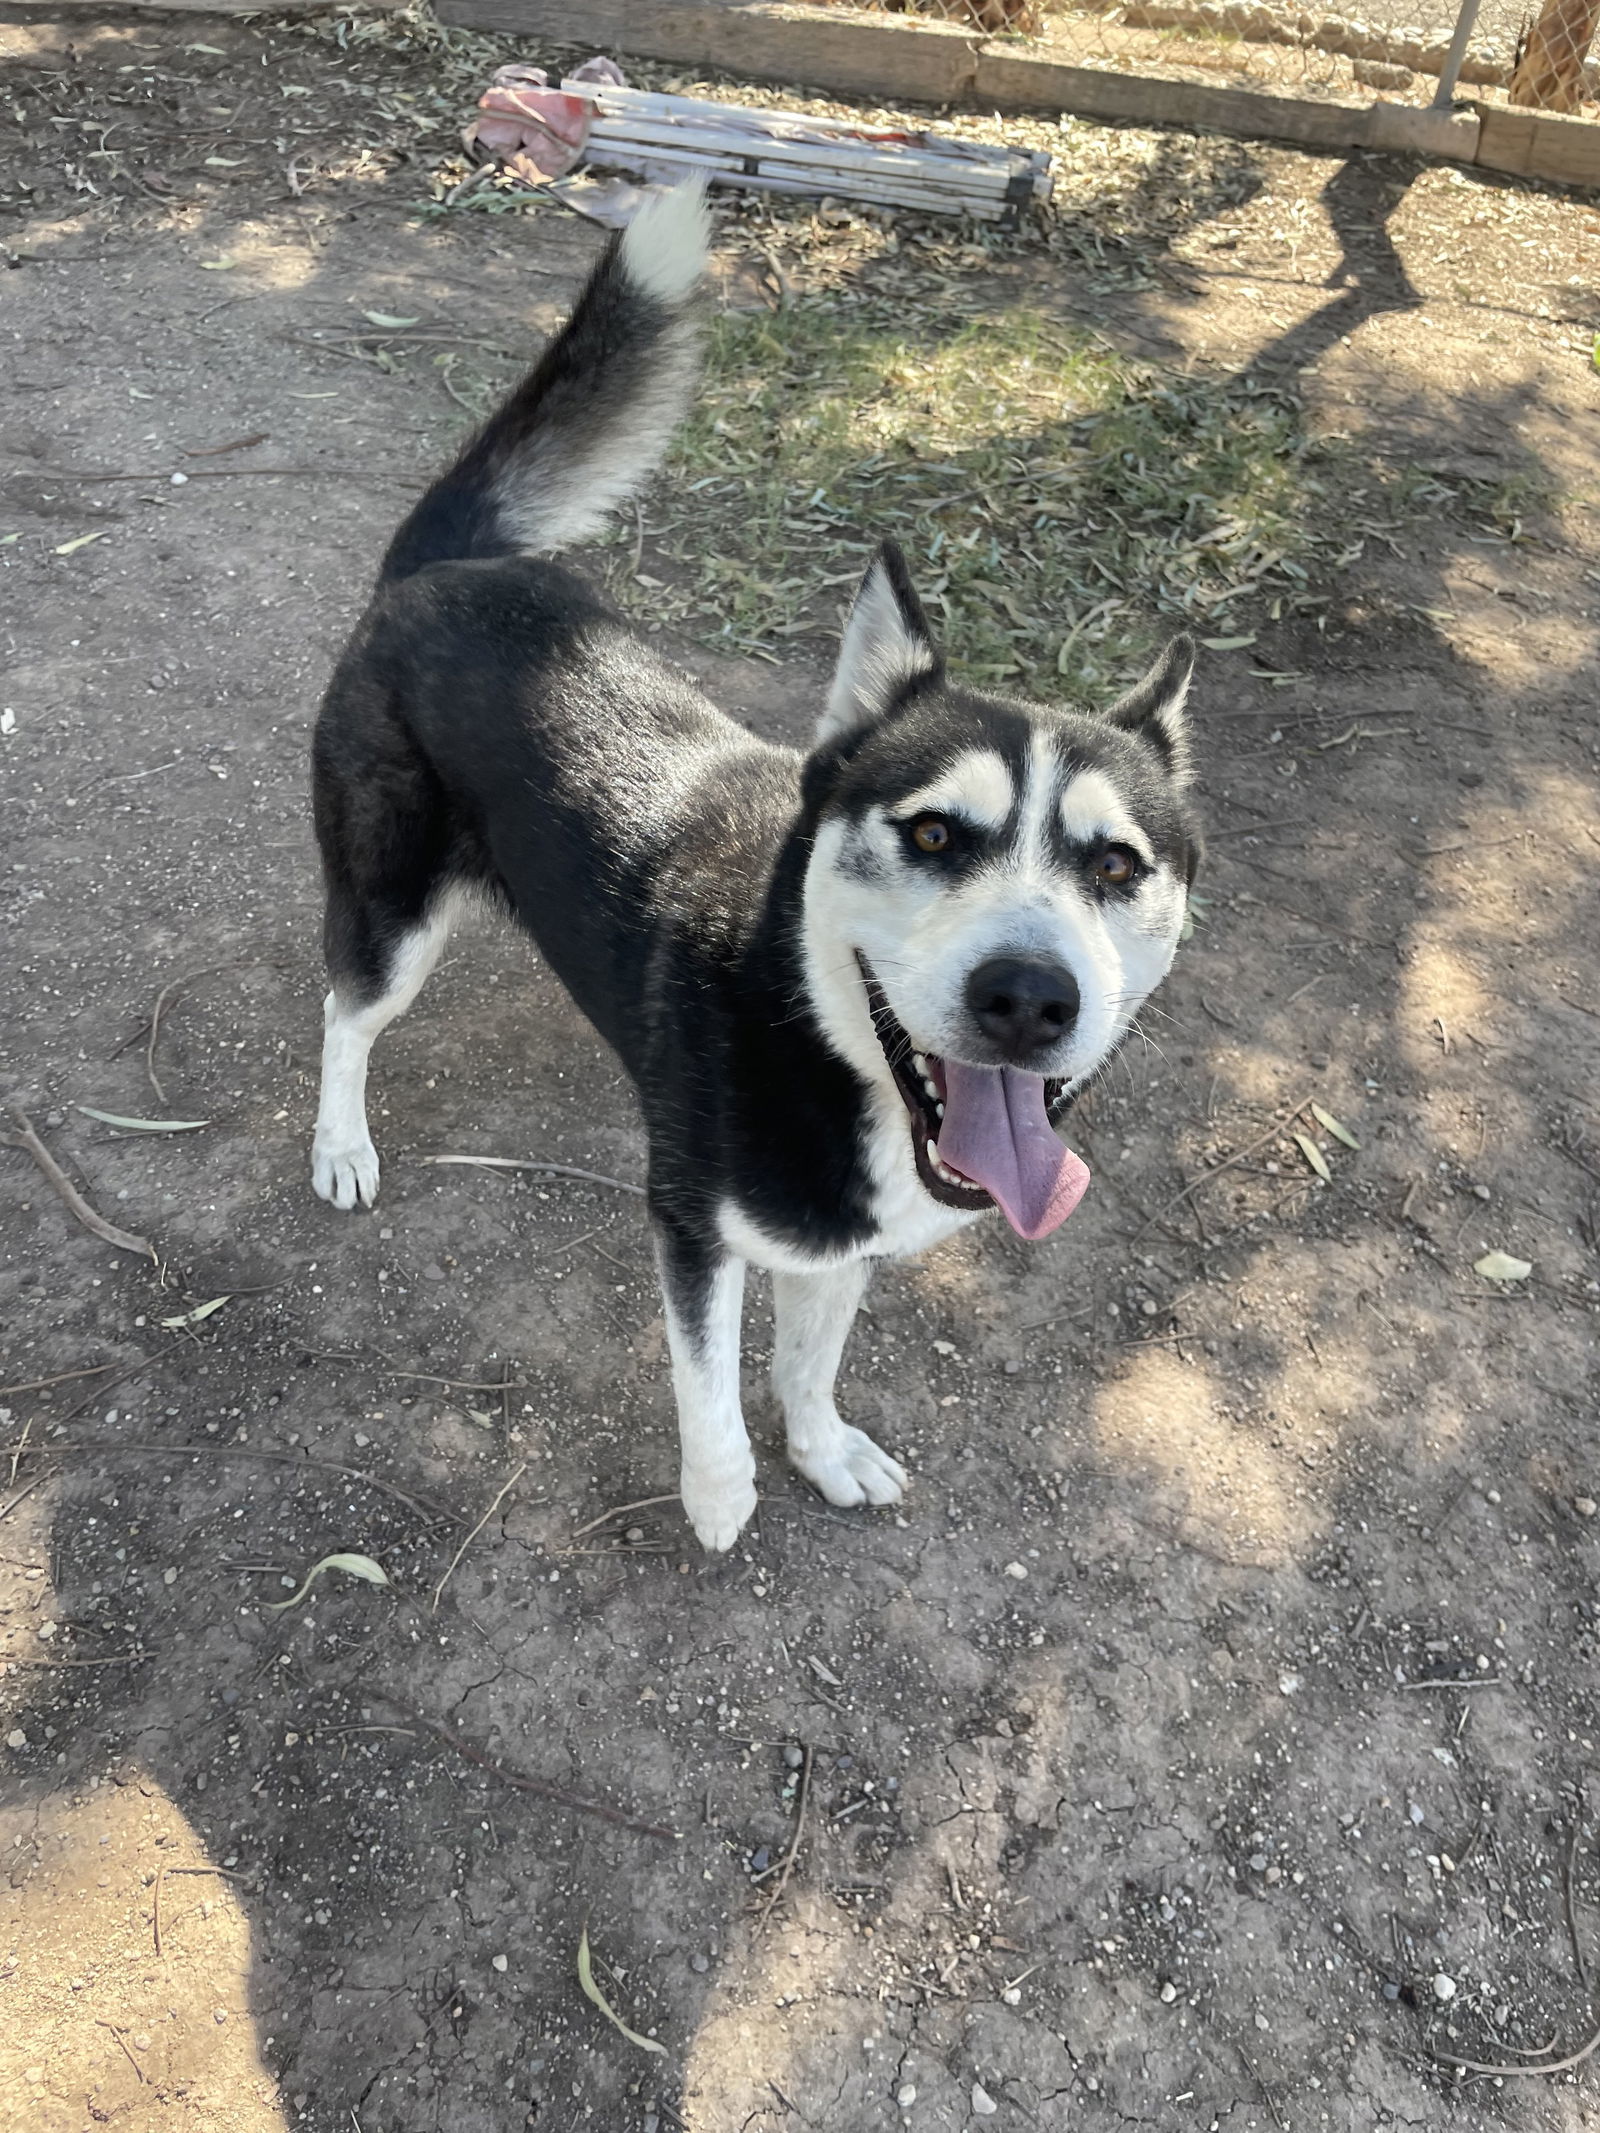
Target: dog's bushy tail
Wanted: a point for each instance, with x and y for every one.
(593, 417)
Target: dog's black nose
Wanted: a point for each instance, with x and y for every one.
(1022, 1005)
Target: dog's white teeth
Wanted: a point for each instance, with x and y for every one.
(919, 1061)
(933, 1155)
(939, 1107)
(932, 1090)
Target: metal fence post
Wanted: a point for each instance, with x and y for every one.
(1450, 72)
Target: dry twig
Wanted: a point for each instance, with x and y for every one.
(41, 1384)
(518, 1780)
(225, 1873)
(549, 1170)
(500, 1497)
(645, 1503)
(165, 994)
(102, 2023)
(419, 1504)
(30, 1144)
(789, 1857)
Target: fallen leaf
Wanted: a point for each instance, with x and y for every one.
(591, 1991)
(356, 1566)
(6, 539)
(1500, 1266)
(387, 318)
(197, 1316)
(224, 162)
(1228, 644)
(215, 50)
(219, 266)
(1314, 1156)
(144, 1125)
(1340, 1133)
(83, 540)
(824, 1673)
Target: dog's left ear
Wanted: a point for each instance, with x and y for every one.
(1153, 708)
(887, 643)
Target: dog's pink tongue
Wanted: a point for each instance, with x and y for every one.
(996, 1132)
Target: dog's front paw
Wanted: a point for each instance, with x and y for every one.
(718, 1509)
(345, 1175)
(848, 1468)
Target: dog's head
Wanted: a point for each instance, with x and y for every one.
(994, 888)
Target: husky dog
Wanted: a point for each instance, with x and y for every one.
(853, 988)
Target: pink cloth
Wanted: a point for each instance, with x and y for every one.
(537, 131)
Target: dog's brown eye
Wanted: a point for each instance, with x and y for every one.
(931, 833)
(1117, 865)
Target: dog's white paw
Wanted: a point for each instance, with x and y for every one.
(848, 1468)
(718, 1509)
(345, 1175)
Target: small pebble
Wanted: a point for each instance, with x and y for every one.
(1016, 1570)
(699, 1964)
(793, 1757)
(1480, 1192)
(500, 1963)
(1444, 1986)
(16, 1738)
(1585, 1506)
(1011, 1996)
(1169, 1992)
(982, 2102)
(761, 1861)
(1258, 1862)
(634, 1535)
(906, 2096)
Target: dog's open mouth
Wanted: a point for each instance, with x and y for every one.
(981, 1136)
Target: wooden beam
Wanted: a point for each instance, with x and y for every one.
(1534, 144)
(891, 59)
(1016, 81)
(904, 59)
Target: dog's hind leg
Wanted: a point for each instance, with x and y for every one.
(372, 983)
(813, 1315)
(704, 1294)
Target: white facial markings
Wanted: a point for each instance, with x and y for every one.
(924, 928)
(1094, 812)
(976, 786)
(1033, 855)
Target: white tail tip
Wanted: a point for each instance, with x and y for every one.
(664, 246)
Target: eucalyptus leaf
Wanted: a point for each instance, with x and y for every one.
(197, 1316)
(355, 1566)
(144, 1125)
(1340, 1133)
(1314, 1156)
(591, 1991)
(1501, 1266)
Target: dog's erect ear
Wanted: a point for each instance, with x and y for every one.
(1153, 708)
(887, 643)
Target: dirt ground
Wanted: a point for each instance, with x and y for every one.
(1210, 1740)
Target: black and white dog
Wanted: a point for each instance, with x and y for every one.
(852, 988)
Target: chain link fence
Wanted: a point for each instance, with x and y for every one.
(1536, 55)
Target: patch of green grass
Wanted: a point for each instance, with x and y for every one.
(1056, 500)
